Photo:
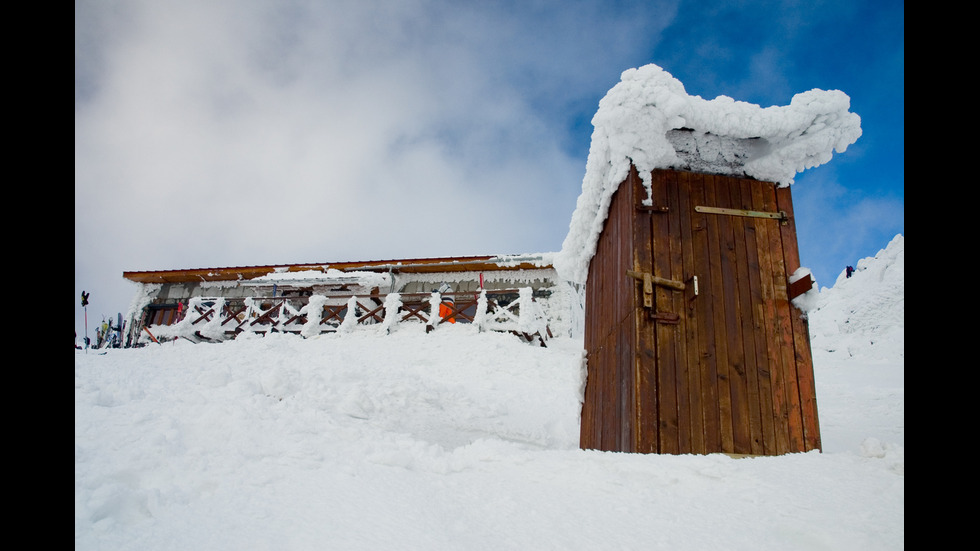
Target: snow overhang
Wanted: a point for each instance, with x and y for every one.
(649, 121)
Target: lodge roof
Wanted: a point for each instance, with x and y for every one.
(413, 265)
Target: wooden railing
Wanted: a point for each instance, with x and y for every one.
(217, 318)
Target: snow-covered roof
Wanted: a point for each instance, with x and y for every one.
(324, 270)
(649, 120)
(326, 277)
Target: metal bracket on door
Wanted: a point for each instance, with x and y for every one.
(669, 318)
(781, 215)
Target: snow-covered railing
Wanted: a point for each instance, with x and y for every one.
(215, 319)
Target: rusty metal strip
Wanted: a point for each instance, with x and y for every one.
(781, 215)
(669, 318)
(653, 209)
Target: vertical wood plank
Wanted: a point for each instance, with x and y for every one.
(773, 288)
(761, 286)
(676, 305)
(666, 345)
(716, 288)
(625, 354)
(647, 384)
(784, 331)
(706, 356)
(801, 333)
(686, 300)
(734, 260)
(749, 297)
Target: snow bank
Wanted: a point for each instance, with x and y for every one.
(863, 316)
(650, 120)
(857, 334)
(457, 439)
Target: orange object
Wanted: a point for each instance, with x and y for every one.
(445, 310)
(151, 335)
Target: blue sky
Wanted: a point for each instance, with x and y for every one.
(251, 132)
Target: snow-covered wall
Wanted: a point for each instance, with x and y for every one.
(649, 120)
(559, 304)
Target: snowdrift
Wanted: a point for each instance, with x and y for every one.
(465, 440)
(863, 316)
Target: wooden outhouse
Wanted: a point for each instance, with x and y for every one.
(692, 342)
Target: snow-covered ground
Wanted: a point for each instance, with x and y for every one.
(462, 440)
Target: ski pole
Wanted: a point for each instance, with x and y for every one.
(85, 308)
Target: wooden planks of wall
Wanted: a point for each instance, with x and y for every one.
(727, 369)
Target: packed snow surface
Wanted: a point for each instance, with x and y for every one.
(649, 120)
(464, 440)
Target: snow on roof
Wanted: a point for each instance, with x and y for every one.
(511, 262)
(649, 120)
(328, 277)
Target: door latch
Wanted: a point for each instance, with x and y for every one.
(649, 280)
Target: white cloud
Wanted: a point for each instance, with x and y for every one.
(233, 133)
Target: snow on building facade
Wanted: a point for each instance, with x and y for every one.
(505, 293)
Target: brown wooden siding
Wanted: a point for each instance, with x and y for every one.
(727, 370)
(610, 403)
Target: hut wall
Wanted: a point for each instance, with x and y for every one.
(716, 359)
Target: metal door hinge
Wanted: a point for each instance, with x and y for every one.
(781, 215)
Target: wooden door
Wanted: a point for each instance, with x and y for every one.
(719, 358)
